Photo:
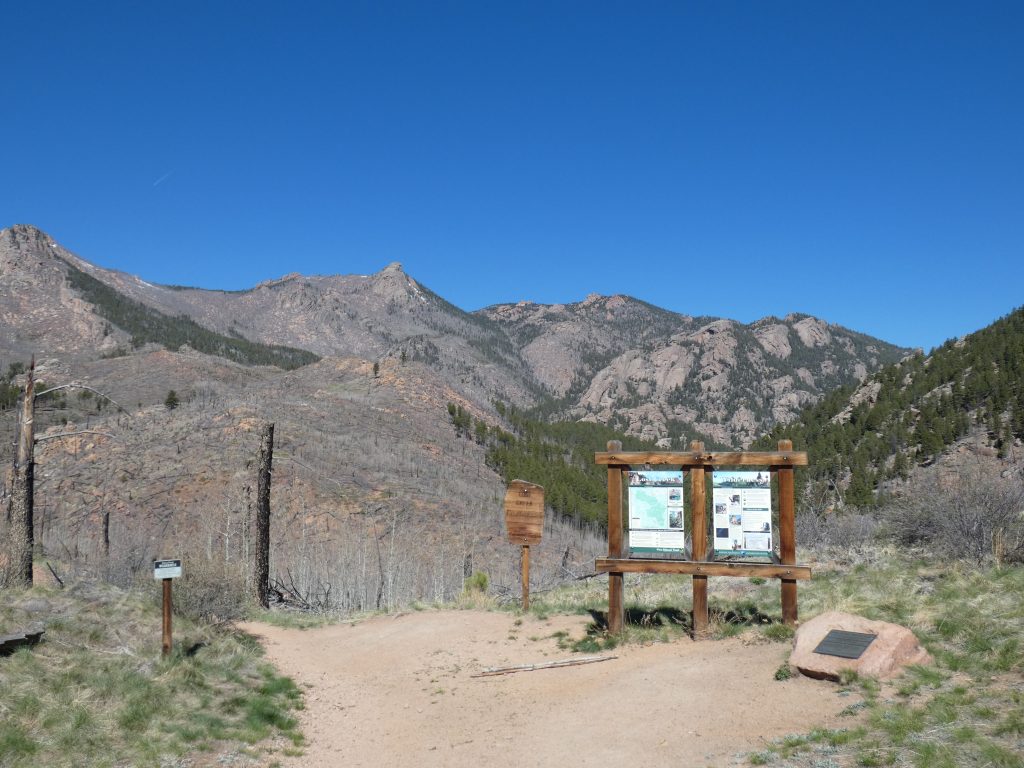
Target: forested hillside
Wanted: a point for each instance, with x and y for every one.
(910, 412)
(558, 456)
(146, 324)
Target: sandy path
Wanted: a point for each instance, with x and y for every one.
(397, 691)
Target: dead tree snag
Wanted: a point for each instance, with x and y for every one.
(261, 564)
(23, 535)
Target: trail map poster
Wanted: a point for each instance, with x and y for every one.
(656, 511)
(742, 503)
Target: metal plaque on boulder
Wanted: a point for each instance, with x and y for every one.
(847, 645)
(524, 512)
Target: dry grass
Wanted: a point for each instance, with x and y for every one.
(967, 709)
(97, 692)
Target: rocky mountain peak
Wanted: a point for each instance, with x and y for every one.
(28, 251)
(24, 239)
(393, 285)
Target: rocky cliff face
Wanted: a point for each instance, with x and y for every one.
(39, 312)
(665, 376)
(565, 344)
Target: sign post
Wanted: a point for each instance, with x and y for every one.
(524, 518)
(166, 570)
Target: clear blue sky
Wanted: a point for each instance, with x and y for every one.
(863, 162)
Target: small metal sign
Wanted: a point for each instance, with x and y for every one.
(846, 645)
(524, 512)
(166, 569)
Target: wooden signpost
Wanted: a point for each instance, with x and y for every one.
(166, 570)
(700, 463)
(524, 519)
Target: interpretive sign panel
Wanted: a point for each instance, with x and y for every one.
(524, 512)
(166, 569)
(742, 504)
(656, 511)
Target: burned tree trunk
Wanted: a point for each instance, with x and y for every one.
(261, 564)
(22, 533)
(106, 533)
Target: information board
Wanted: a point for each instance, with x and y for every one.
(742, 506)
(656, 511)
(166, 569)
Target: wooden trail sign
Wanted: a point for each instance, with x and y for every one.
(524, 512)
(164, 571)
(524, 519)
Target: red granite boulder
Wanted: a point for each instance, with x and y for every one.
(893, 648)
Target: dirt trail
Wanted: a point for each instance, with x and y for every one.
(397, 691)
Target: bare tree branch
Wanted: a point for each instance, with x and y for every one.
(76, 385)
(72, 434)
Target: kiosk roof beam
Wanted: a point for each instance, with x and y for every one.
(705, 459)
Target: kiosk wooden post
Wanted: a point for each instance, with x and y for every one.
(699, 526)
(787, 534)
(616, 607)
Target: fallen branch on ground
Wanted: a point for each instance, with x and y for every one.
(492, 671)
(58, 578)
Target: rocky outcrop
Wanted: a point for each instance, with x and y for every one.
(39, 313)
(723, 379)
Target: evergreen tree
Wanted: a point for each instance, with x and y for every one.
(922, 406)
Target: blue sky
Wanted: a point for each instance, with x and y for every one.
(862, 162)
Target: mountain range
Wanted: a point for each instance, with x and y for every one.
(656, 374)
(376, 491)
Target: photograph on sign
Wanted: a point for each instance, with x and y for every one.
(742, 507)
(655, 500)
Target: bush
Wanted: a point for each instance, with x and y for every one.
(974, 513)
(478, 582)
(836, 529)
(210, 591)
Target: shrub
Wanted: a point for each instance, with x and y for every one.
(784, 672)
(974, 513)
(210, 591)
(478, 582)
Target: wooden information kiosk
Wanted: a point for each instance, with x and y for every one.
(699, 464)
